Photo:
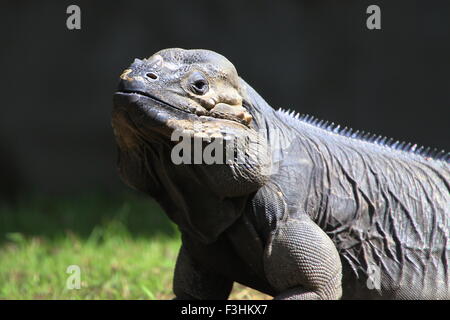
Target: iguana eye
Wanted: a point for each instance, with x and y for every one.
(199, 85)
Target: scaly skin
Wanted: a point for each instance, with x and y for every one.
(309, 214)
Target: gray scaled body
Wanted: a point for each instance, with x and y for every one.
(311, 211)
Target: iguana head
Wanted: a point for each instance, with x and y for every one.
(197, 95)
(175, 85)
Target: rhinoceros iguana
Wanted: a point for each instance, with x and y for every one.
(299, 209)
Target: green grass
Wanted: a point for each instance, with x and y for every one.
(125, 248)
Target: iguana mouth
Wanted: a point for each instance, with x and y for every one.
(190, 112)
(140, 93)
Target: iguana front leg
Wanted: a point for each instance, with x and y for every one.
(191, 282)
(302, 263)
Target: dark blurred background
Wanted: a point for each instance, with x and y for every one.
(316, 57)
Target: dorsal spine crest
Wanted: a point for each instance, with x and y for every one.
(426, 152)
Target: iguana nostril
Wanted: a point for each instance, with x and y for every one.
(152, 76)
